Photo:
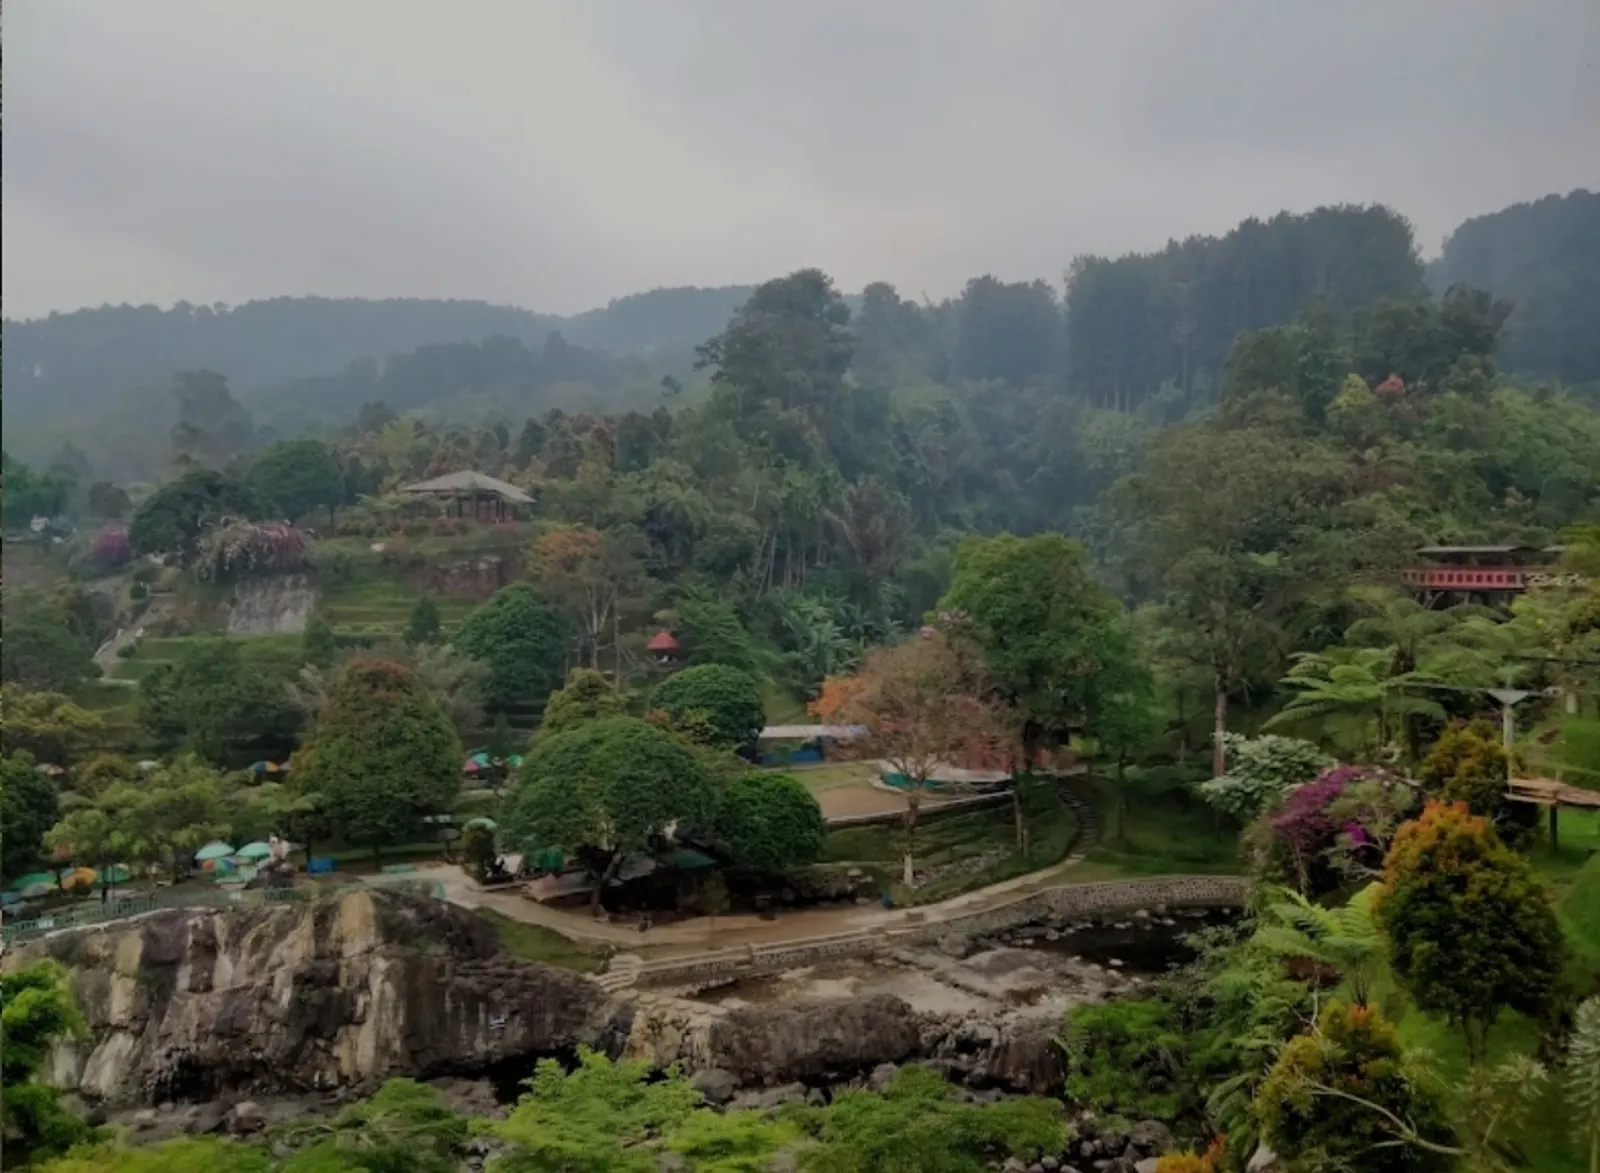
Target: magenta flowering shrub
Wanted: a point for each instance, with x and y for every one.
(109, 548)
(243, 549)
(1305, 824)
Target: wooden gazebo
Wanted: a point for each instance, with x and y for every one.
(492, 499)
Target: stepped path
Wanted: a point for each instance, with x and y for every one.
(706, 933)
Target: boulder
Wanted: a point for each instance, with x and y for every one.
(820, 1042)
(715, 1084)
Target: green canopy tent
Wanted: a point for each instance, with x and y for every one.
(256, 850)
(34, 879)
(216, 849)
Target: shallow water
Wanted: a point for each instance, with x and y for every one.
(1146, 948)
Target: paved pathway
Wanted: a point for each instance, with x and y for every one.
(705, 933)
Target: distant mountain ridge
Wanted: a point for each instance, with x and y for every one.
(86, 359)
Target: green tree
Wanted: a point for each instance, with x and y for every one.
(1263, 770)
(521, 639)
(30, 494)
(40, 652)
(1345, 1095)
(213, 427)
(607, 789)
(597, 1119)
(36, 1009)
(1468, 764)
(918, 1126)
(48, 725)
(722, 704)
(423, 627)
(386, 755)
(1470, 928)
(1346, 694)
(771, 822)
(28, 809)
(1045, 626)
(173, 519)
(318, 644)
(218, 695)
(293, 477)
(587, 696)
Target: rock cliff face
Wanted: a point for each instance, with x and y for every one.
(344, 993)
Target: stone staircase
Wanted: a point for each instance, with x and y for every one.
(621, 973)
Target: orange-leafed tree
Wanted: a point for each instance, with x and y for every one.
(919, 705)
(588, 571)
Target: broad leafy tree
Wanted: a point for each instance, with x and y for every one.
(28, 809)
(41, 652)
(607, 789)
(174, 519)
(386, 755)
(771, 822)
(48, 725)
(715, 704)
(423, 626)
(587, 696)
(220, 695)
(1047, 629)
(295, 477)
(521, 639)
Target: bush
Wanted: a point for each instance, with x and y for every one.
(1353, 1051)
(1260, 771)
(138, 592)
(1125, 1058)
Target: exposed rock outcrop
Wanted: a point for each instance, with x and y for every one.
(278, 605)
(815, 1042)
(188, 1005)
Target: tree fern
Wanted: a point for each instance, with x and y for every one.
(1345, 938)
(1583, 1077)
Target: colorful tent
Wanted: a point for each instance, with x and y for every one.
(482, 821)
(266, 768)
(482, 759)
(34, 891)
(216, 849)
(256, 850)
(470, 767)
(117, 873)
(79, 878)
(33, 879)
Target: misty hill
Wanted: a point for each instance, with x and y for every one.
(66, 364)
(1544, 257)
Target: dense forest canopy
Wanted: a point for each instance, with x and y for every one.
(1544, 258)
(1142, 332)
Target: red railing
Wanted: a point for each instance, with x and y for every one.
(1470, 578)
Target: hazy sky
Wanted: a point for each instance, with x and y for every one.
(557, 153)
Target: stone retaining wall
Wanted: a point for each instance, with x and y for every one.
(1065, 902)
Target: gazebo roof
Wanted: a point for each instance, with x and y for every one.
(467, 483)
(662, 641)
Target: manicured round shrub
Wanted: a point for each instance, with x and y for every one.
(714, 704)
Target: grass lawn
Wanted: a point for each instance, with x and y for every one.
(373, 604)
(827, 775)
(537, 943)
(154, 651)
(946, 839)
(1167, 831)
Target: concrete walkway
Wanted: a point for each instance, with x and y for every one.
(703, 934)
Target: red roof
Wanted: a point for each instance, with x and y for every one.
(662, 641)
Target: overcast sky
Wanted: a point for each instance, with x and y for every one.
(558, 153)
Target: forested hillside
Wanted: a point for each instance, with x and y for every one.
(1543, 257)
(1142, 332)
